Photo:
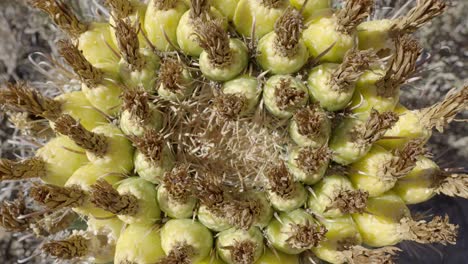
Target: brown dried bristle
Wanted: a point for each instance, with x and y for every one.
(24, 169)
(55, 197)
(288, 29)
(229, 106)
(62, 15)
(242, 252)
(272, 3)
(309, 120)
(404, 160)
(104, 196)
(349, 201)
(53, 223)
(22, 97)
(423, 12)
(281, 182)
(92, 142)
(10, 211)
(150, 144)
(136, 102)
(179, 184)
(121, 8)
(75, 246)
(355, 63)
(453, 185)
(165, 4)
(352, 14)
(181, 253)
(438, 230)
(215, 42)
(359, 254)
(287, 96)
(376, 126)
(90, 75)
(306, 236)
(442, 113)
(199, 9)
(171, 74)
(311, 159)
(403, 64)
(30, 125)
(127, 40)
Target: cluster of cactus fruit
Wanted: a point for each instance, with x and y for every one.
(231, 131)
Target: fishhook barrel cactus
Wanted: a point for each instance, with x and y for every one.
(230, 131)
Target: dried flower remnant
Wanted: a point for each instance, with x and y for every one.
(281, 181)
(215, 41)
(181, 253)
(305, 236)
(199, 9)
(171, 74)
(359, 254)
(62, 15)
(286, 96)
(353, 66)
(403, 64)
(165, 4)
(441, 114)
(229, 106)
(288, 29)
(93, 142)
(423, 12)
(55, 197)
(272, 3)
(23, 169)
(438, 230)
(311, 159)
(73, 247)
(136, 102)
(120, 8)
(90, 75)
(352, 14)
(403, 160)
(127, 40)
(179, 183)
(104, 196)
(22, 97)
(10, 212)
(452, 184)
(375, 127)
(242, 252)
(151, 144)
(309, 120)
(349, 201)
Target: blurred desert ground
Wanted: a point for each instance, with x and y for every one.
(24, 31)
